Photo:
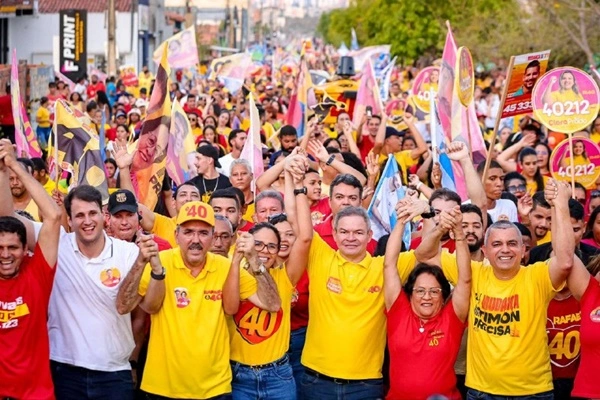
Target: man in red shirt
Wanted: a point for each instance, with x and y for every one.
(94, 87)
(367, 142)
(25, 285)
(345, 191)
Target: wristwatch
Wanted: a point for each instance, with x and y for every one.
(158, 277)
(260, 271)
(300, 191)
(331, 159)
(430, 214)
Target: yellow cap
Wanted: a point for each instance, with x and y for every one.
(196, 211)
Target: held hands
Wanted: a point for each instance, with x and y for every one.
(7, 153)
(457, 232)
(450, 219)
(149, 251)
(410, 207)
(557, 192)
(245, 246)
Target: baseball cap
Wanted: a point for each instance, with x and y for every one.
(196, 211)
(210, 151)
(121, 114)
(141, 103)
(391, 131)
(122, 200)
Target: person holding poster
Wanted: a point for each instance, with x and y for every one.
(568, 90)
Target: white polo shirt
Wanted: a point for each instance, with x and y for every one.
(84, 326)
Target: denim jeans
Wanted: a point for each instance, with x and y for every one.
(72, 382)
(473, 394)
(275, 381)
(297, 339)
(319, 387)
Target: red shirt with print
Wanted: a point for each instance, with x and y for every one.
(320, 211)
(562, 326)
(24, 344)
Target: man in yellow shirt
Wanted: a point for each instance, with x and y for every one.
(40, 173)
(21, 198)
(188, 292)
(507, 352)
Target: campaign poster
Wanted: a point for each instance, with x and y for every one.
(73, 43)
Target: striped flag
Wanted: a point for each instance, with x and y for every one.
(438, 144)
(78, 149)
(382, 210)
(25, 138)
(385, 81)
(252, 150)
(302, 99)
(181, 151)
(149, 159)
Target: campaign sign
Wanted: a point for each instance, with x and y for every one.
(586, 161)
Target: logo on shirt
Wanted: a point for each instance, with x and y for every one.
(214, 295)
(497, 316)
(181, 297)
(334, 285)
(564, 343)
(10, 311)
(256, 325)
(435, 337)
(295, 297)
(595, 315)
(110, 277)
(374, 289)
(317, 217)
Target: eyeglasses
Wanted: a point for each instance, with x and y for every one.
(433, 292)
(517, 188)
(595, 194)
(272, 248)
(541, 152)
(222, 237)
(277, 218)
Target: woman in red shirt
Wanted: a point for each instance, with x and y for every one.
(424, 329)
(585, 287)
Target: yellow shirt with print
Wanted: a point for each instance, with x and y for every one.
(347, 328)
(260, 337)
(188, 352)
(405, 161)
(164, 227)
(507, 352)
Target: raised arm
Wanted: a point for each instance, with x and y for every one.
(347, 132)
(421, 147)
(128, 296)
(267, 178)
(298, 207)
(316, 149)
(267, 295)
(507, 158)
(231, 288)
(380, 137)
(563, 241)
(462, 290)
(459, 151)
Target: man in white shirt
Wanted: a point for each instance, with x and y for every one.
(237, 138)
(499, 209)
(90, 343)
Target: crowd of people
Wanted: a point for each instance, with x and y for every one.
(273, 287)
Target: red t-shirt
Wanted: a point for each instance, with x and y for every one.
(24, 344)
(422, 364)
(320, 211)
(325, 230)
(92, 89)
(587, 384)
(562, 325)
(299, 310)
(366, 146)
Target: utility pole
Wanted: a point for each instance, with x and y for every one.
(112, 43)
(188, 14)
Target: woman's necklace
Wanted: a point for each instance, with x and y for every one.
(422, 328)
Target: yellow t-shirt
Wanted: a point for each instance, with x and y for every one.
(43, 116)
(577, 160)
(260, 337)
(567, 95)
(507, 352)
(405, 161)
(250, 209)
(546, 239)
(595, 137)
(532, 186)
(188, 353)
(164, 227)
(33, 210)
(347, 330)
(49, 186)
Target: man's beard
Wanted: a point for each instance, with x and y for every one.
(475, 246)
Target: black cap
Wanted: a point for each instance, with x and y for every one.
(122, 200)
(391, 131)
(209, 150)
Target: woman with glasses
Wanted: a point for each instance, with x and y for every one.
(195, 123)
(425, 325)
(515, 183)
(260, 339)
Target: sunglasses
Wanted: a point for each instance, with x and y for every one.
(277, 218)
(517, 188)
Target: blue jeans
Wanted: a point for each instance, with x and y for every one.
(43, 134)
(319, 387)
(273, 381)
(473, 394)
(72, 382)
(297, 339)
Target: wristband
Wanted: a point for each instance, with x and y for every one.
(331, 159)
(418, 186)
(158, 277)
